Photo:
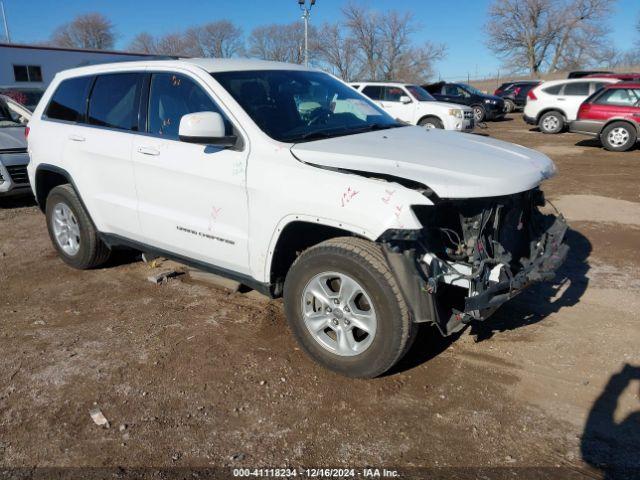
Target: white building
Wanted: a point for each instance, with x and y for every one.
(32, 67)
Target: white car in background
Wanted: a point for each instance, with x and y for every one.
(552, 105)
(413, 104)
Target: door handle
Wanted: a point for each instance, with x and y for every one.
(148, 151)
(561, 99)
(76, 138)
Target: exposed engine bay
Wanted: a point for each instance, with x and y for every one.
(475, 254)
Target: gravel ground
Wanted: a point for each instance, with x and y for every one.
(192, 376)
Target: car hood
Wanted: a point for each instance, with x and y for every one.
(443, 105)
(12, 137)
(452, 164)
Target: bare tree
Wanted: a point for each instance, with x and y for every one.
(385, 44)
(143, 43)
(535, 35)
(280, 43)
(337, 51)
(221, 39)
(92, 30)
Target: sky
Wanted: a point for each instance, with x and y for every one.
(457, 23)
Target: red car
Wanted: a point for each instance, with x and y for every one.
(613, 114)
(625, 77)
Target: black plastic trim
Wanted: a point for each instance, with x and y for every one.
(113, 240)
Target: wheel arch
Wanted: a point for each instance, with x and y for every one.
(292, 239)
(610, 121)
(430, 115)
(551, 109)
(47, 177)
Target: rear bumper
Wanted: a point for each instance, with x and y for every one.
(586, 127)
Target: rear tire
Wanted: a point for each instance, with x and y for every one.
(509, 106)
(431, 122)
(619, 137)
(334, 288)
(551, 122)
(72, 232)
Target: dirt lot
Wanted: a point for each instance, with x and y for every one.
(190, 375)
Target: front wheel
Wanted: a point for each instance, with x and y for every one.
(509, 106)
(431, 122)
(345, 308)
(619, 137)
(479, 113)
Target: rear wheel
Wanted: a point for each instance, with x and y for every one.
(509, 106)
(345, 308)
(71, 230)
(431, 122)
(619, 137)
(551, 122)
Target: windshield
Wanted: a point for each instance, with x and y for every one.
(420, 93)
(471, 89)
(6, 118)
(293, 106)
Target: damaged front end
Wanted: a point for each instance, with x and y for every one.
(473, 255)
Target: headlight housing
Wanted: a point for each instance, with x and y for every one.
(488, 100)
(456, 112)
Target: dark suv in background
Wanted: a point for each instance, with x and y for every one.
(514, 94)
(485, 106)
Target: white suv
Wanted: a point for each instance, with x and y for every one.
(414, 105)
(552, 105)
(293, 183)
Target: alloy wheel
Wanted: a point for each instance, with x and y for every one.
(66, 229)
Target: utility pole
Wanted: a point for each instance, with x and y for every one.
(6, 24)
(306, 15)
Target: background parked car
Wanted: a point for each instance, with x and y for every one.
(13, 151)
(584, 73)
(625, 77)
(29, 97)
(553, 104)
(414, 105)
(515, 94)
(613, 114)
(485, 107)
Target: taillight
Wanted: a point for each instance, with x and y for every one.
(26, 132)
(531, 95)
(497, 92)
(584, 108)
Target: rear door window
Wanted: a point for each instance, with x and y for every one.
(114, 101)
(69, 100)
(373, 92)
(577, 89)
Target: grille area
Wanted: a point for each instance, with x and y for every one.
(18, 174)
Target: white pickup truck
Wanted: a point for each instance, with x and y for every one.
(295, 184)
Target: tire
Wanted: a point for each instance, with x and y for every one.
(551, 122)
(479, 113)
(619, 137)
(509, 106)
(83, 249)
(349, 260)
(431, 122)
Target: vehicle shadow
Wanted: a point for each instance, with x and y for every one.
(613, 447)
(589, 142)
(540, 301)
(21, 201)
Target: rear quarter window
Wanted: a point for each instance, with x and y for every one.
(69, 101)
(554, 90)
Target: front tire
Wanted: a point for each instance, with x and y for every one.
(431, 122)
(619, 137)
(509, 106)
(71, 230)
(345, 308)
(479, 113)
(551, 122)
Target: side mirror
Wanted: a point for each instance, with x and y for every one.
(205, 128)
(405, 99)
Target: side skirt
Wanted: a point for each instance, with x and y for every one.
(117, 241)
